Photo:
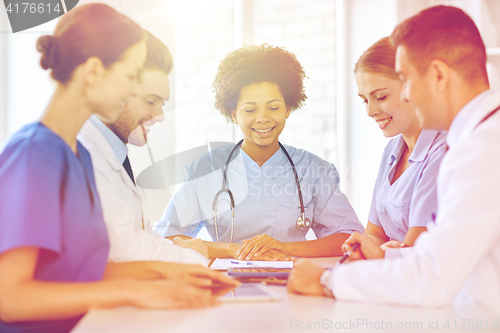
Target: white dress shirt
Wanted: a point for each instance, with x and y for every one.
(458, 259)
(124, 205)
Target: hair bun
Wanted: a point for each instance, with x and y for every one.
(47, 45)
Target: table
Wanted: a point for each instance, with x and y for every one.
(292, 314)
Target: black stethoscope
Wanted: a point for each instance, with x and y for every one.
(303, 223)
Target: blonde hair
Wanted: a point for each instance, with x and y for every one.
(380, 58)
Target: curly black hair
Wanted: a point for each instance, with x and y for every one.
(254, 64)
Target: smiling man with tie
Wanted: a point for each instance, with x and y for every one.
(124, 204)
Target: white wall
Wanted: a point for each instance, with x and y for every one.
(26, 88)
(366, 21)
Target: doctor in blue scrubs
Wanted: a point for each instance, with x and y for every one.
(257, 88)
(53, 239)
(405, 195)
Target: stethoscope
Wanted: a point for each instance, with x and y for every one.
(303, 223)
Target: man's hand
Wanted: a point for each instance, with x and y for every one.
(304, 278)
(368, 249)
(193, 244)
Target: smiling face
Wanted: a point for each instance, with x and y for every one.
(115, 84)
(417, 90)
(382, 98)
(261, 114)
(144, 108)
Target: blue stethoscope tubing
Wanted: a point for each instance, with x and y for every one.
(303, 223)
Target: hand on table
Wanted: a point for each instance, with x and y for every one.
(193, 244)
(273, 255)
(304, 278)
(368, 249)
(263, 247)
(168, 295)
(392, 244)
(197, 275)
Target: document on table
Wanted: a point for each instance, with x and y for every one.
(224, 264)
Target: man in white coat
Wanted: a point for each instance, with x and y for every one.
(124, 204)
(441, 61)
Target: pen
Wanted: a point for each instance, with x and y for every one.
(347, 254)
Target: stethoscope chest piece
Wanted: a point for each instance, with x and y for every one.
(303, 223)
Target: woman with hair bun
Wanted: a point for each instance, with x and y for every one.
(53, 240)
(257, 88)
(404, 199)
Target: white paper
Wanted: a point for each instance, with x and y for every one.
(224, 264)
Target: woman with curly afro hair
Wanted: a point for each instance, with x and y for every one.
(257, 87)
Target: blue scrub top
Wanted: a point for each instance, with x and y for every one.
(49, 200)
(411, 201)
(266, 198)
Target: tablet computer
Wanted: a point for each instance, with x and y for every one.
(249, 292)
(279, 273)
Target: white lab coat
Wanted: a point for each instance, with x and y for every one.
(458, 259)
(125, 209)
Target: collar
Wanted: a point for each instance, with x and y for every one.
(469, 116)
(396, 150)
(424, 143)
(119, 148)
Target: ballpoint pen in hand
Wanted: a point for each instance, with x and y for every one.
(348, 253)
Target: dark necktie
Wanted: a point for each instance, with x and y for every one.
(128, 168)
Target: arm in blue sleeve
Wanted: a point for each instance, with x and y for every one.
(182, 216)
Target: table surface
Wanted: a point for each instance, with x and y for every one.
(293, 313)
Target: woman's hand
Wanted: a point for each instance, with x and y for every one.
(273, 255)
(255, 247)
(368, 249)
(304, 278)
(24, 298)
(194, 275)
(193, 244)
(392, 244)
(168, 295)
(197, 275)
